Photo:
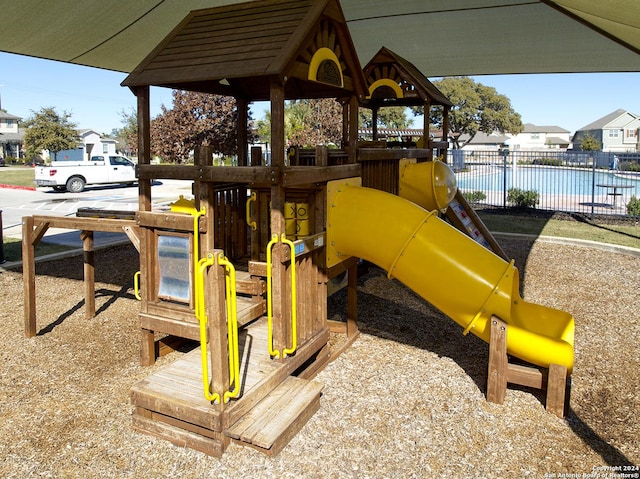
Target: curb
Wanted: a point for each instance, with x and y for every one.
(611, 248)
(16, 187)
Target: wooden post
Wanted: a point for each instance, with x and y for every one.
(556, 389)
(89, 274)
(144, 145)
(243, 126)
(353, 129)
(425, 130)
(501, 373)
(352, 300)
(445, 129)
(147, 343)
(281, 327)
(497, 374)
(29, 277)
(256, 156)
(374, 123)
(322, 155)
(217, 330)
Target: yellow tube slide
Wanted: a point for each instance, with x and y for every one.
(461, 278)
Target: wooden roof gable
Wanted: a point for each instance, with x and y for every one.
(392, 80)
(235, 49)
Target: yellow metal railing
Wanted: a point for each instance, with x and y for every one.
(136, 285)
(232, 327)
(251, 199)
(294, 329)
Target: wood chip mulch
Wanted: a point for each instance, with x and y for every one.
(406, 400)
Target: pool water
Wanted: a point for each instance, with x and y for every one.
(546, 180)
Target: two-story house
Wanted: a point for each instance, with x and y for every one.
(10, 135)
(535, 137)
(617, 132)
(94, 144)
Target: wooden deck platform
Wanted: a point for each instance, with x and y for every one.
(273, 405)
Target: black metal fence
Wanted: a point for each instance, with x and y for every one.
(588, 182)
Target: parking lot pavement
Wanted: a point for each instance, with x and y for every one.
(15, 204)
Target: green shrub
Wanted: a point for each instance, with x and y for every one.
(633, 207)
(522, 198)
(548, 161)
(474, 196)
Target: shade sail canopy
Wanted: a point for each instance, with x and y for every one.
(440, 37)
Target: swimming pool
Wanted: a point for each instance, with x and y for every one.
(559, 188)
(544, 180)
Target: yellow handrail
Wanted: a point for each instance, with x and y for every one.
(136, 285)
(272, 352)
(196, 234)
(203, 264)
(294, 310)
(252, 224)
(232, 328)
(294, 322)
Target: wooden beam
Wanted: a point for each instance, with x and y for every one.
(377, 154)
(133, 234)
(220, 174)
(110, 225)
(167, 220)
(477, 221)
(306, 175)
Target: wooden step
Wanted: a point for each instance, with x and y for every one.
(271, 424)
(250, 285)
(248, 309)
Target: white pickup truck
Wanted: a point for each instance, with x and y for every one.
(75, 175)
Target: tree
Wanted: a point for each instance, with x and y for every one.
(48, 130)
(196, 119)
(307, 123)
(313, 122)
(476, 107)
(588, 142)
(127, 136)
(388, 117)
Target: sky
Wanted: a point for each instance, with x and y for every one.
(95, 99)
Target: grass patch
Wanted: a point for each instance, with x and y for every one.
(17, 176)
(13, 249)
(618, 234)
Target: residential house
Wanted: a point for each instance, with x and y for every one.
(95, 144)
(535, 137)
(482, 141)
(617, 132)
(10, 135)
(90, 144)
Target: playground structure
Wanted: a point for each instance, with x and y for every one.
(246, 267)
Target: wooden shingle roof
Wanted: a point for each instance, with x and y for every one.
(237, 49)
(396, 74)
